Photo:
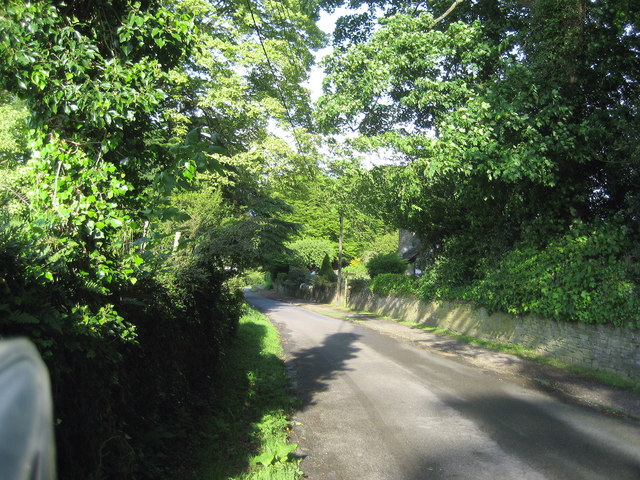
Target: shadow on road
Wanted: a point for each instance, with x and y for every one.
(312, 369)
(537, 438)
(544, 441)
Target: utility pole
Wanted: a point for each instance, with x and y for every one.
(340, 254)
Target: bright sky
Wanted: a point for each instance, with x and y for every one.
(314, 84)
(326, 23)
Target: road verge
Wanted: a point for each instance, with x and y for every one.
(246, 435)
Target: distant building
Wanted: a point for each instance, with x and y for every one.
(409, 248)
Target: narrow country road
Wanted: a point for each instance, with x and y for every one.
(373, 407)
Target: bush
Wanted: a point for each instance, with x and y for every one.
(249, 278)
(451, 273)
(584, 275)
(123, 363)
(438, 283)
(356, 269)
(581, 276)
(281, 278)
(296, 277)
(397, 284)
(322, 281)
(326, 271)
(267, 281)
(293, 279)
(386, 263)
(310, 252)
(359, 285)
(253, 277)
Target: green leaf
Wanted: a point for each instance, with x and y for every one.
(265, 459)
(283, 450)
(23, 317)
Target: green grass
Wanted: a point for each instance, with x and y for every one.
(246, 437)
(520, 350)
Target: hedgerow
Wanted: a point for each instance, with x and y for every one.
(386, 263)
(129, 366)
(397, 284)
(586, 275)
(582, 276)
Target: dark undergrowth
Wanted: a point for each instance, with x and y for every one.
(246, 434)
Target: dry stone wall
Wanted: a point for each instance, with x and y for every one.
(601, 347)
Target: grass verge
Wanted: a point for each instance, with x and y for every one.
(607, 378)
(523, 352)
(246, 437)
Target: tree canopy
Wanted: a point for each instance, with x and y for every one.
(136, 172)
(516, 123)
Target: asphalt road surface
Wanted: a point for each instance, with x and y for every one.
(373, 407)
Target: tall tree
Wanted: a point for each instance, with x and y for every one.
(498, 108)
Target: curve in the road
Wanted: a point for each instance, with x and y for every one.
(372, 407)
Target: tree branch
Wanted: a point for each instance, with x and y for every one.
(445, 14)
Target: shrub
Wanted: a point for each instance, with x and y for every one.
(356, 269)
(386, 263)
(267, 281)
(581, 276)
(451, 273)
(438, 283)
(296, 277)
(292, 279)
(359, 285)
(322, 281)
(585, 275)
(281, 278)
(123, 363)
(397, 284)
(326, 271)
(249, 278)
(253, 277)
(310, 252)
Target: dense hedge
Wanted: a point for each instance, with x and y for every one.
(397, 284)
(587, 275)
(386, 263)
(293, 279)
(359, 285)
(129, 367)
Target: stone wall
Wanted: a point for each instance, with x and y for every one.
(600, 347)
